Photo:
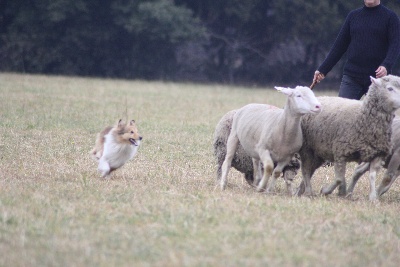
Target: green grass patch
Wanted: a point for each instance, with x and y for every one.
(163, 208)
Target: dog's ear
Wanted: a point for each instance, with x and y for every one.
(119, 123)
(132, 122)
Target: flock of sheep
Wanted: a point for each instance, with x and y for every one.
(263, 141)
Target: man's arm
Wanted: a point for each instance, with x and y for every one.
(394, 43)
(338, 49)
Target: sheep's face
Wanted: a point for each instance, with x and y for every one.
(391, 88)
(301, 100)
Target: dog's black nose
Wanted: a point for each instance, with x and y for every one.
(140, 138)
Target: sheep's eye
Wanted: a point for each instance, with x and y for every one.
(390, 89)
(298, 95)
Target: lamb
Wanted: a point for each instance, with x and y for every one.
(350, 130)
(269, 135)
(392, 164)
(242, 161)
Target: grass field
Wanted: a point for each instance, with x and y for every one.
(162, 208)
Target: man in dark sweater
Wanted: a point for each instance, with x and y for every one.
(371, 37)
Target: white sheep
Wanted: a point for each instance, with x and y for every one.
(270, 135)
(350, 130)
(392, 164)
(241, 160)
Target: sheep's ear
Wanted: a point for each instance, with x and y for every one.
(375, 81)
(286, 91)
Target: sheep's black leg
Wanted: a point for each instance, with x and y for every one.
(309, 164)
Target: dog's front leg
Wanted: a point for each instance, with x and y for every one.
(104, 167)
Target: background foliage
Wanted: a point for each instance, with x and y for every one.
(234, 41)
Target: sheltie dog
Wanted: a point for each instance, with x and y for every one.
(115, 146)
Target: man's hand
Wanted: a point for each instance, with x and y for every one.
(318, 76)
(380, 72)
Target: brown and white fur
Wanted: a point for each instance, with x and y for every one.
(115, 146)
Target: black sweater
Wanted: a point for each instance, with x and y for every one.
(371, 37)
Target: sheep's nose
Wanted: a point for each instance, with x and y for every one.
(316, 108)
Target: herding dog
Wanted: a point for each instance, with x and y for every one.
(115, 146)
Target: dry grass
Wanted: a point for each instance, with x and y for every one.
(162, 209)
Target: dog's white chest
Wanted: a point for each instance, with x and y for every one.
(117, 154)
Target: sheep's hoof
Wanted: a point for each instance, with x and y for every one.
(297, 192)
(324, 191)
(260, 189)
(300, 190)
(291, 192)
(256, 182)
(311, 195)
(373, 198)
(106, 175)
(268, 192)
(382, 190)
(342, 191)
(223, 185)
(351, 197)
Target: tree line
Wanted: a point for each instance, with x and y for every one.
(224, 41)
